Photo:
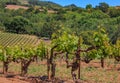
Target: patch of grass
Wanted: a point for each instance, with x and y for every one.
(37, 70)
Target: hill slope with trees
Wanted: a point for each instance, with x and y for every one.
(37, 20)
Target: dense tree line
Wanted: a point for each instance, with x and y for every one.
(43, 24)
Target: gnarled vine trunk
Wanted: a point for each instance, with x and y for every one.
(50, 65)
(53, 67)
(24, 68)
(25, 64)
(5, 67)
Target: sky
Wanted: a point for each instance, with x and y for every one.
(83, 3)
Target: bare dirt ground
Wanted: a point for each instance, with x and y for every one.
(15, 7)
(11, 80)
(90, 73)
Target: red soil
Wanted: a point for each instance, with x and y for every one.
(15, 7)
(11, 80)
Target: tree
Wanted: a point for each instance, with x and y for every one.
(18, 25)
(98, 14)
(49, 28)
(2, 4)
(116, 35)
(113, 12)
(71, 7)
(33, 2)
(103, 7)
(89, 7)
(15, 2)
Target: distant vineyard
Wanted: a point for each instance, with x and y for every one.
(8, 39)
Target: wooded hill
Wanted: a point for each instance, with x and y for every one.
(37, 19)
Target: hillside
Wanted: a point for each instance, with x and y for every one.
(39, 21)
(47, 4)
(16, 7)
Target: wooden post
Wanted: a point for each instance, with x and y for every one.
(102, 62)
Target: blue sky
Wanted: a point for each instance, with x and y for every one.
(83, 3)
